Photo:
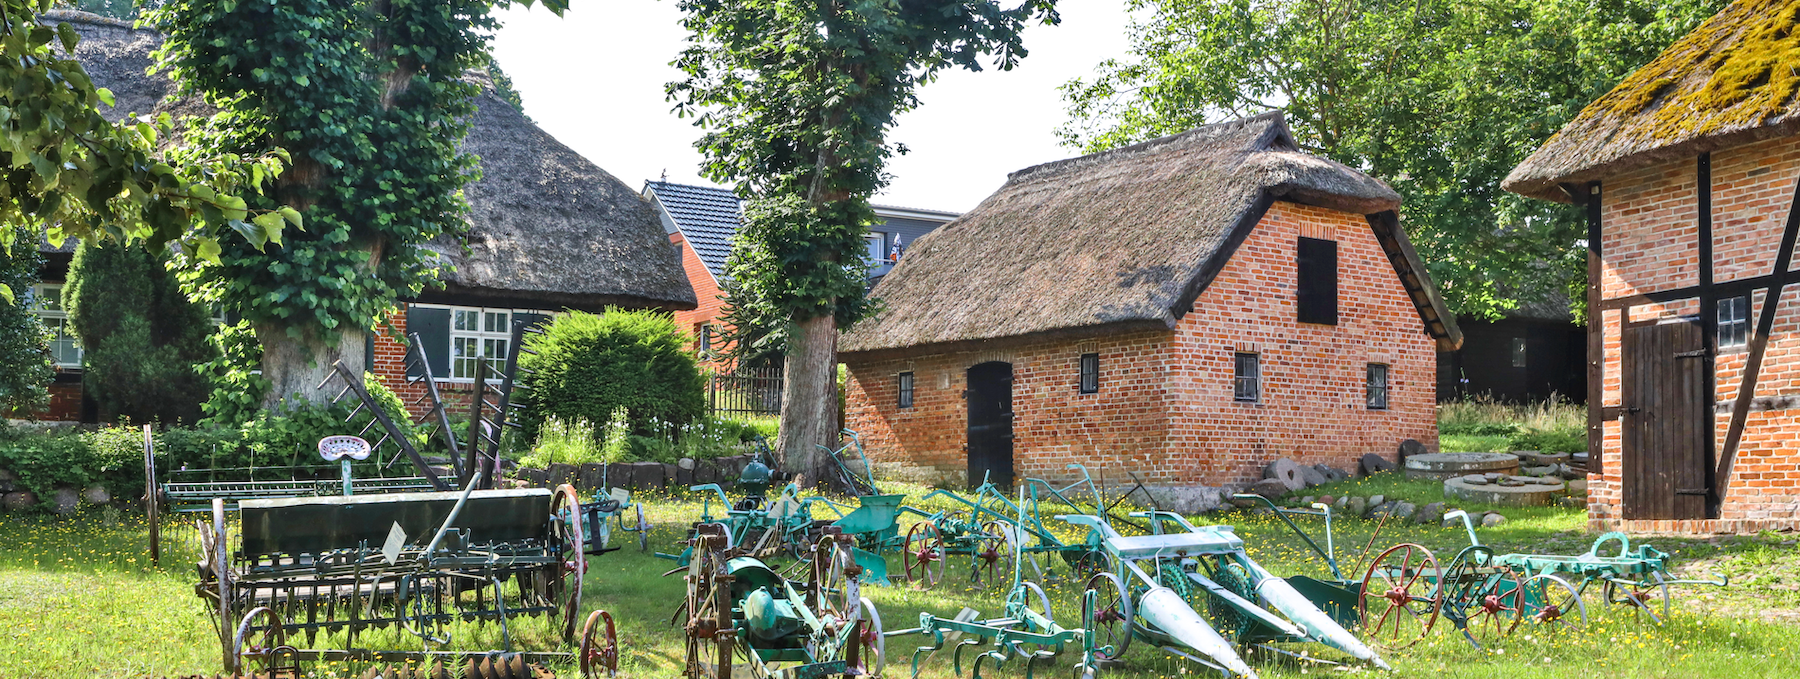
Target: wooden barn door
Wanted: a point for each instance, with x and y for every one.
(1667, 429)
(990, 423)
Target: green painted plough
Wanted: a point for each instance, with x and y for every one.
(1026, 629)
(1176, 574)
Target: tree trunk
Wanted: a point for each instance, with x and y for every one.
(296, 365)
(809, 398)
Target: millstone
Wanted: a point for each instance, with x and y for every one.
(1507, 490)
(1447, 465)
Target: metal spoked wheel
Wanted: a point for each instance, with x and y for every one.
(707, 606)
(1397, 603)
(1551, 605)
(565, 532)
(1111, 620)
(262, 650)
(923, 555)
(1481, 600)
(990, 548)
(838, 594)
(874, 640)
(1027, 596)
(643, 529)
(599, 652)
(1648, 598)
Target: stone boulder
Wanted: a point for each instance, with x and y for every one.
(1578, 487)
(1269, 488)
(592, 477)
(1331, 474)
(65, 500)
(1409, 448)
(1313, 477)
(1287, 472)
(1375, 464)
(1379, 509)
(1355, 506)
(9, 482)
(96, 495)
(19, 501)
(1188, 499)
(1492, 519)
(1430, 513)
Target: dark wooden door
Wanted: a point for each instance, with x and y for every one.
(990, 423)
(1667, 431)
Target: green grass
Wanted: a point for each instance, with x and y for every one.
(78, 598)
(1470, 443)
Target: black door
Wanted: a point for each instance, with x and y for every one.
(1667, 431)
(990, 424)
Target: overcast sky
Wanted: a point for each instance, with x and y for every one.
(594, 79)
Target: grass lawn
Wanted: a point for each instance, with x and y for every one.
(78, 598)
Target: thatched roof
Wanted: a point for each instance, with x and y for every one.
(548, 228)
(1128, 238)
(1731, 81)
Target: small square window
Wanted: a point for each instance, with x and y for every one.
(1090, 373)
(1518, 352)
(1376, 393)
(1734, 321)
(1246, 384)
(705, 332)
(906, 390)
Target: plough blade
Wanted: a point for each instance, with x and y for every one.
(1276, 593)
(1246, 607)
(874, 567)
(1171, 615)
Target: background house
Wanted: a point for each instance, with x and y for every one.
(1533, 353)
(548, 229)
(702, 220)
(1186, 308)
(1688, 171)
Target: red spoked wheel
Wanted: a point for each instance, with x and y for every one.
(989, 548)
(1111, 619)
(599, 646)
(567, 577)
(263, 649)
(1399, 601)
(923, 555)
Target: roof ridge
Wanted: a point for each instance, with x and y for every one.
(1276, 134)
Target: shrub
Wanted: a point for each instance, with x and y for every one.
(141, 336)
(1550, 441)
(45, 461)
(561, 442)
(24, 342)
(584, 367)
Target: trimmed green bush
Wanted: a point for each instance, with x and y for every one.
(140, 334)
(584, 367)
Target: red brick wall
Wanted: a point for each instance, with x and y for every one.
(706, 290)
(65, 403)
(389, 365)
(1649, 243)
(1165, 407)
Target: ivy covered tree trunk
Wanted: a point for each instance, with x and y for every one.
(297, 365)
(809, 398)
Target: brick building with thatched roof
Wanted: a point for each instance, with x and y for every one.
(1187, 309)
(1688, 171)
(548, 229)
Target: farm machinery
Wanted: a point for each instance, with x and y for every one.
(990, 526)
(740, 611)
(348, 568)
(1026, 628)
(1487, 595)
(1174, 574)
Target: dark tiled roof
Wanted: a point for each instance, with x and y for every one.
(707, 217)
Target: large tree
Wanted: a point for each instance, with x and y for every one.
(370, 98)
(798, 97)
(1441, 98)
(65, 171)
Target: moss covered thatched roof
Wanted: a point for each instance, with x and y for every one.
(1117, 240)
(1731, 81)
(548, 228)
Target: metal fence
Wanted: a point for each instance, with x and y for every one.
(747, 391)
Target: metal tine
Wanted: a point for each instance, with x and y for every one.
(353, 412)
(369, 426)
(513, 424)
(340, 395)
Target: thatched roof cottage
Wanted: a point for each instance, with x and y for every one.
(1187, 309)
(1688, 172)
(548, 229)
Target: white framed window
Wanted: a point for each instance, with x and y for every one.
(877, 248)
(46, 301)
(475, 334)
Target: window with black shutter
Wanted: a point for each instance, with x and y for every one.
(1090, 373)
(1316, 290)
(906, 390)
(1246, 384)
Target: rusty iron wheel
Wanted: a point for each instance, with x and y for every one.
(1398, 602)
(922, 555)
(599, 646)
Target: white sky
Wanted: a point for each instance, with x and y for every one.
(594, 79)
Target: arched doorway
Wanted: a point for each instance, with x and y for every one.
(990, 423)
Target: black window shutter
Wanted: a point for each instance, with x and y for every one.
(1316, 290)
(433, 328)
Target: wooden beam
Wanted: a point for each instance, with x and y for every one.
(1759, 344)
(1709, 320)
(1596, 321)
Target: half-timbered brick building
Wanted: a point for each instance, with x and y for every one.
(1688, 172)
(1185, 309)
